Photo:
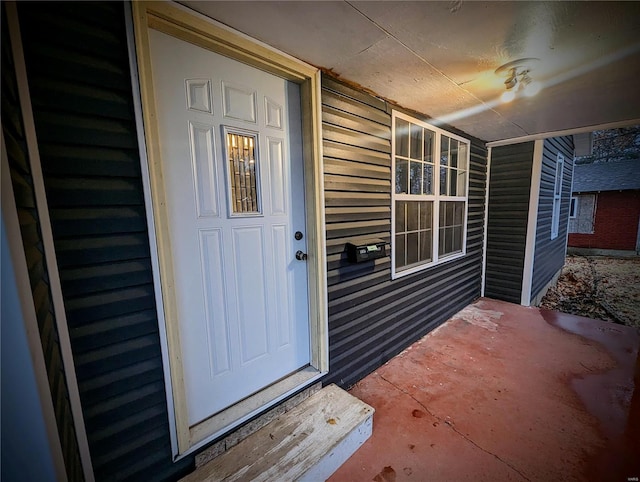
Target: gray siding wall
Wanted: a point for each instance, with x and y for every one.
(510, 185)
(80, 84)
(549, 254)
(371, 317)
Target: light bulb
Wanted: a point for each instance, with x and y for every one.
(532, 89)
(508, 96)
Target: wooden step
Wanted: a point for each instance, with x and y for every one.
(307, 443)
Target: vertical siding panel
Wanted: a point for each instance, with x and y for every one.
(80, 83)
(371, 317)
(509, 192)
(550, 254)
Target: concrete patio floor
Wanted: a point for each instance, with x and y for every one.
(504, 392)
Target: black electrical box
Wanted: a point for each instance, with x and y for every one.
(374, 249)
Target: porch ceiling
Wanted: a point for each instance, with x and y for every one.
(439, 58)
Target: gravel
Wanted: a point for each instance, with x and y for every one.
(602, 287)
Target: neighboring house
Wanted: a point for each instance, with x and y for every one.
(605, 206)
(529, 195)
(127, 233)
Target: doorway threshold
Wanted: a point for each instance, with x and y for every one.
(230, 418)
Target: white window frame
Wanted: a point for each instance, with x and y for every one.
(557, 196)
(435, 198)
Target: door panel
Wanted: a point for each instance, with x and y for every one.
(233, 182)
(201, 141)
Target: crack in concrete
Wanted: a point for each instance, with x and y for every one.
(450, 424)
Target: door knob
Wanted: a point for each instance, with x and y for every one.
(300, 256)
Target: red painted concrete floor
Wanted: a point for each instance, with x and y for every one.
(504, 392)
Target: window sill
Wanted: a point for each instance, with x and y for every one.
(422, 267)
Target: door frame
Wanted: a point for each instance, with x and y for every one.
(182, 23)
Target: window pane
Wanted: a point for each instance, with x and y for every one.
(425, 246)
(446, 213)
(457, 239)
(449, 240)
(462, 155)
(444, 151)
(400, 250)
(451, 227)
(458, 217)
(412, 215)
(416, 142)
(453, 182)
(443, 180)
(427, 179)
(400, 216)
(453, 153)
(448, 236)
(462, 183)
(428, 146)
(402, 176)
(415, 185)
(451, 213)
(426, 213)
(242, 173)
(402, 138)
(412, 248)
(441, 237)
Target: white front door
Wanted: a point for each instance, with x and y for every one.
(231, 154)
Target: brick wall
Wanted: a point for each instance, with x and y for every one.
(616, 222)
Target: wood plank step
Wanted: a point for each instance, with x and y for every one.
(307, 443)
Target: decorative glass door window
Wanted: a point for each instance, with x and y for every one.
(242, 173)
(429, 198)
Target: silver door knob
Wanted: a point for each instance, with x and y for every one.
(300, 256)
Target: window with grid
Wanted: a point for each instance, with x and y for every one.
(557, 196)
(429, 197)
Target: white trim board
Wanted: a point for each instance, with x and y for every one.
(532, 223)
(565, 132)
(151, 229)
(486, 227)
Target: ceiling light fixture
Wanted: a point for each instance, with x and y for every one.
(518, 78)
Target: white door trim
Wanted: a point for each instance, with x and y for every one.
(184, 24)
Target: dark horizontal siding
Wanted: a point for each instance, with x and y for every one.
(14, 136)
(371, 317)
(510, 184)
(80, 84)
(550, 254)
